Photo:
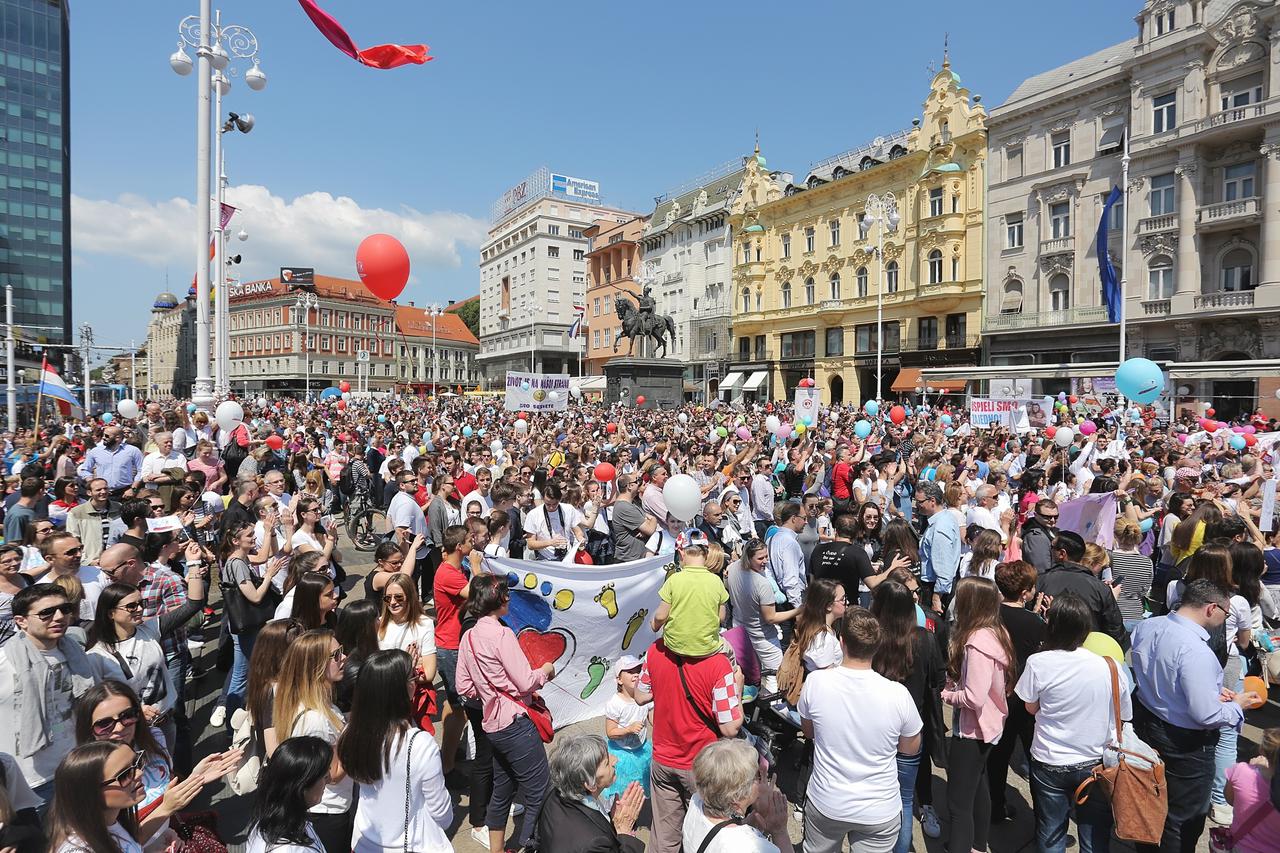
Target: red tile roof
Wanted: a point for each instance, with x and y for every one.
(413, 322)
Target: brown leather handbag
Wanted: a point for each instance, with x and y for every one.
(1135, 785)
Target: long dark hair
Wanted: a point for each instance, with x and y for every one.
(279, 811)
(812, 619)
(143, 739)
(358, 627)
(264, 665)
(1247, 566)
(488, 594)
(895, 608)
(306, 600)
(380, 713)
(103, 629)
(78, 803)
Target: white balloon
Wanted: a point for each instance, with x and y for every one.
(496, 446)
(1278, 393)
(262, 402)
(713, 436)
(229, 415)
(127, 409)
(553, 396)
(682, 496)
(771, 424)
(346, 395)
(834, 414)
(522, 425)
(1064, 436)
(576, 392)
(684, 419)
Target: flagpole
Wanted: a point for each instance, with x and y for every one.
(1124, 244)
(44, 365)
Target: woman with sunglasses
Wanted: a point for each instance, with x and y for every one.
(311, 533)
(390, 559)
(132, 646)
(33, 561)
(111, 712)
(96, 789)
(304, 706)
(12, 582)
(405, 625)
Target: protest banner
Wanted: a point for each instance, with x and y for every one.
(1092, 516)
(537, 392)
(581, 619)
(985, 412)
(807, 406)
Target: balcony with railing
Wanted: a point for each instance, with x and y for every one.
(1225, 299)
(1077, 315)
(1057, 245)
(915, 343)
(1157, 307)
(1158, 224)
(1229, 214)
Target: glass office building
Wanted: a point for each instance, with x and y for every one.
(35, 165)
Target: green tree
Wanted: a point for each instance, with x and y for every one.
(470, 313)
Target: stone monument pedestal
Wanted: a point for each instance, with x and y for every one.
(659, 381)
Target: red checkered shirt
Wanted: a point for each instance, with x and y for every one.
(164, 592)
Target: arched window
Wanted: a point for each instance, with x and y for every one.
(1011, 303)
(835, 285)
(746, 300)
(861, 278)
(786, 295)
(1237, 270)
(891, 277)
(1160, 278)
(1059, 293)
(809, 290)
(935, 267)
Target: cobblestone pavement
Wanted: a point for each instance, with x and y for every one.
(1011, 837)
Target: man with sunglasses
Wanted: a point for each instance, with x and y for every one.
(407, 518)
(1038, 534)
(42, 674)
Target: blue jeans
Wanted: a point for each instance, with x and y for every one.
(1053, 792)
(237, 682)
(519, 761)
(1228, 738)
(45, 792)
(908, 767)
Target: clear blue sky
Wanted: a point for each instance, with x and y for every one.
(640, 97)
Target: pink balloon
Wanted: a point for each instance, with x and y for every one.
(1088, 428)
(784, 431)
(1250, 429)
(744, 433)
(1182, 438)
(1238, 430)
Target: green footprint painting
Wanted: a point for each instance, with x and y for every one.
(596, 670)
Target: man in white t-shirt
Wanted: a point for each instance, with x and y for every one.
(859, 722)
(984, 509)
(160, 460)
(484, 481)
(552, 529)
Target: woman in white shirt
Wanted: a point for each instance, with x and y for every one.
(304, 706)
(291, 785)
(405, 626)
(310, 534)
(727, 775)
(390, 757)
(95, 789)
(1068, 689)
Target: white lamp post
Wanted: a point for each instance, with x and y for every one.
(434, 312)
(881, 210)
(303, 304)
(215, 47)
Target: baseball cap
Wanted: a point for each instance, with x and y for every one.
(626, 663)
(692, 536)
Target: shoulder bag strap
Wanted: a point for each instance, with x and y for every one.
(1259, 813)
(124, 667)
(496, 688)
(408, 786)
(1115, 698)
(715, 830)
(688, 695)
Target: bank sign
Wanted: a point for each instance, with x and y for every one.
(250, 288)
(575, 188)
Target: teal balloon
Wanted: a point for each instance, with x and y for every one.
(466, 431)
(481, 433)
(1146, 524)
(1140, 379)
(1237, 442)
(862, 429)
(107, 417)
(382, 419)
(191, 408)
(948, 432)
(946, 420)
(871, 407)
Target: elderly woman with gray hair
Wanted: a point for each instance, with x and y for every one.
(577, 818)
(727, 775)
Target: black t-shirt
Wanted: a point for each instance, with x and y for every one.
(237, 514)
(1026, 632)
(845, 562)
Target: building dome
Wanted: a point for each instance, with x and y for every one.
(754, 228)
(165, 300)
(760, 161)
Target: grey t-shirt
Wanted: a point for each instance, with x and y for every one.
(749, 590)
(627, 519)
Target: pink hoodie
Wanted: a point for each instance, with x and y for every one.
(980, 696)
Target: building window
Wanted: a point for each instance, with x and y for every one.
(786, 295)
(1164, 112)
(1060, 220)
(1237, 270)
(835, 341)
(608, 306)
(809, 290)
(1164, 22)
(744, 349)
(1013, 231)
(1160, 278)
(955, 268)
(835, 286)
(786, 246)
(891, 277)
(746, 300)
(553, 251)
(595, 338)
(864, 338)
(928, 327)
(1242, 92)
(553, 230)
(797, 344)
(935, 267)
(575, 233)
(746, 253)
(861, 278)
(1237, 181)
(1059, 293)
(808, 239)
(834, 225)
(1161, 195)
(1013, 162)
(1061, 149)
(1012, 301)
(956, 336)
(595, 307)
(579, 254)
(935, 201)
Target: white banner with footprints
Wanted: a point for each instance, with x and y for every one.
(581, 619)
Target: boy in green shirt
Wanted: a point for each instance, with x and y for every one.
(693, 601)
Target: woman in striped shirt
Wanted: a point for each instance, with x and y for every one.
(1132, 569)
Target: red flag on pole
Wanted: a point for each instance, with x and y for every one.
(379, 56)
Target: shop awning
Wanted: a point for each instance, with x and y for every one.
(909, 378)
(755, 380)
(589, 383)
(730, 381)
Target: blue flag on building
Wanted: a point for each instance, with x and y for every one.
(1111, 295)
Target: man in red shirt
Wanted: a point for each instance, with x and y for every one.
(451, 588)
(463, 483)
(681, 729)
(842, 480)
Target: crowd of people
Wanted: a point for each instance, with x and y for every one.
(873, 594)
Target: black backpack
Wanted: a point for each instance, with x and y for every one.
(346, 483)
(600, 547)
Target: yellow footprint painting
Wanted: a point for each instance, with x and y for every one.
(608, 599)
(633, 625)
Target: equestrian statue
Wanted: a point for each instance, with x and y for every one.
(643, 321)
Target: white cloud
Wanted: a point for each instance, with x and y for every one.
(315, 230)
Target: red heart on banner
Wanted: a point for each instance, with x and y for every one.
(540, 648)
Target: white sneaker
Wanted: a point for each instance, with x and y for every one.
(929, 822)
(480, 835)
(218, 717)
(1221, 814)
(517, 809)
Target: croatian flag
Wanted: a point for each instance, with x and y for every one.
(576, 329)
(52, 385)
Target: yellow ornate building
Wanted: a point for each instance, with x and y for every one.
(807, 274)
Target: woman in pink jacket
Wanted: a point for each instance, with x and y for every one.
(981, 674)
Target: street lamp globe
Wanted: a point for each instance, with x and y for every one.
(243, 235)
(218, 56)
(255, 78)
(180, 62)
(894, 219)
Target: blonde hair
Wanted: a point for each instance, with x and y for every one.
(715, 558)
(1127, 532)
(725, 772)
(71, 585)
(1095, 556)
(302, 684)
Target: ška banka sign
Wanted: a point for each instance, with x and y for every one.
(250, 288)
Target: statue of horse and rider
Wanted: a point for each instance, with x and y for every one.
(643, 321)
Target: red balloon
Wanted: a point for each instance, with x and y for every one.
(640, 400)
(344, 386)
(275, 442)
(1250, 439)
(1208, 413)
(605, 473)
(1050, 431)
(611, 428)
(1209, 425)
(342, 405)
(897, 414)
(1073, 399)
(383, 265)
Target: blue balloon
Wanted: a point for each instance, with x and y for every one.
(872, 408)
(1237, 442)
(929, 474)
(481, 433)
(946, 420)
(1146, 524)
(330, 393)
(191, 408)
(107, 417)
(1140, 379)
(948, 432)
(862, 429)
(466, 432)
(524, 386)
(382, 419)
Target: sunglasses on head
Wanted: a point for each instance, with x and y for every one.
(124, 719)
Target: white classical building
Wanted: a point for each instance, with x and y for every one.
(1197, 92)
(169, 365)
(533, 275)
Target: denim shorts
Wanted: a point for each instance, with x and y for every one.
(447, 666)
